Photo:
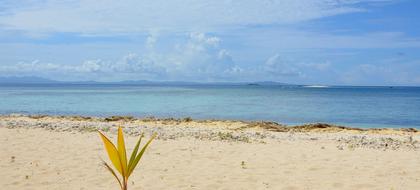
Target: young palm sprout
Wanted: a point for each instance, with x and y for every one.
(118, 157)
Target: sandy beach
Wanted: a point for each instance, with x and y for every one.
(222, 95)
(46, 152)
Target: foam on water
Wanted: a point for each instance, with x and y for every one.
(316, 86)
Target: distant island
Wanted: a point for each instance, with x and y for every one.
(25, 80)
(40, 80)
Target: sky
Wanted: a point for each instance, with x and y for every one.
(320, 42)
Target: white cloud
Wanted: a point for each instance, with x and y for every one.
(151, 41)
(29, 67)
(289, 38)
(131, 16)
(89, 66)
(133, 63)
(283, 67)
(278, 67)
(198, 58)
(385, 72)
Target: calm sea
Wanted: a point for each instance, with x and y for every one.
(352, 106)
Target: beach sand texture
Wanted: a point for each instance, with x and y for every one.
(35, 158)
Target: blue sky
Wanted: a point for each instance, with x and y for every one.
(333, 42)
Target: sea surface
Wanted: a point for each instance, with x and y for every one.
(352, 106)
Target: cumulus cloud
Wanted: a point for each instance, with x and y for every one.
(133, 63)
(89, 66)
(200, 57)
(88, 16)
(278, 67)
(284, 67)
(385, 73)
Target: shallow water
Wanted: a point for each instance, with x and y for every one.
(353, 106)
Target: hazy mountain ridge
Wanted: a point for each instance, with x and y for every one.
(25, 80)
(40, 80)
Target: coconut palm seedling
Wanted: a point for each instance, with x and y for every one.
(118, 157)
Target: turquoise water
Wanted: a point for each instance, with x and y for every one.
(353, 106)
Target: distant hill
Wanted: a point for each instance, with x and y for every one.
(26, 80)
(267, 83)
(40, 80)
(145, 82)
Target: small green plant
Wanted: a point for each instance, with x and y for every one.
(118, 157)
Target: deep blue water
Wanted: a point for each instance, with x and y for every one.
(352, 106)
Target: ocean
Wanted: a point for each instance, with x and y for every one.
(372, 107)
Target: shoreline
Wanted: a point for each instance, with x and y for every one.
(264, 124)
(355, 125)
(223, 130)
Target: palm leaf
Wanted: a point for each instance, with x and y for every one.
(113, 173)
(112, 152)
(135, 150)
(138, 157)
(122, 151)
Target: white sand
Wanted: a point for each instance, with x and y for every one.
(42, 159)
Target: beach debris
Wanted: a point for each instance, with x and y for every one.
(270, 126)
(227, 136)
(380, 142)
(117, 155)
(38, 116)
(314, 127)
(243, 165)
(119, 118)
(187, 119)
